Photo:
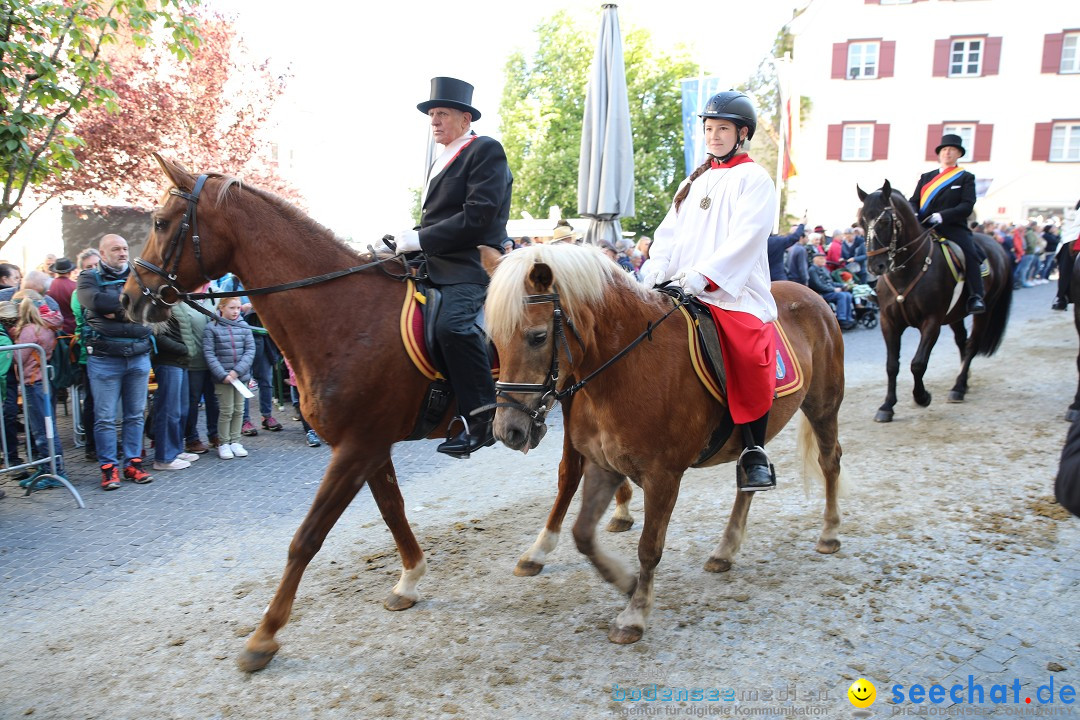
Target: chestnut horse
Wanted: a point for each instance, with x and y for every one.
(569, 307)
(359, 389)
(916, 289)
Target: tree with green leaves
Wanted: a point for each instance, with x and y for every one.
(52, 67)
(543, 104)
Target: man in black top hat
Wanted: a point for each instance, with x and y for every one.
(945, 198)
(464, 204)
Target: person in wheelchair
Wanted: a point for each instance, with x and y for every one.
(821, 282)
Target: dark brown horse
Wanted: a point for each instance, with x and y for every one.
(1073, 412)
(916, 289)
(562, 311)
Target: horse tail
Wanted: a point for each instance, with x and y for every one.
(807, 447)
(994, 332)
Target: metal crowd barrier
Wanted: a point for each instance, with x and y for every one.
(31, 465)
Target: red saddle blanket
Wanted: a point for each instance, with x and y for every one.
(789, 374)
(412, 335)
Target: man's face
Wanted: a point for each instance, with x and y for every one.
(114, 251)
(819, 260)
(448, 124)
(90, 262)
(949, 155)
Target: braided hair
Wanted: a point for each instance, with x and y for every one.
(685, 189)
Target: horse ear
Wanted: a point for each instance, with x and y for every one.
(886, 189)
(179, 177)
(541, 276)
(862, 194)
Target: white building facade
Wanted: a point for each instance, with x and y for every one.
(886, 78)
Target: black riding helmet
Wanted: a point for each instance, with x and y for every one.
(734, 106)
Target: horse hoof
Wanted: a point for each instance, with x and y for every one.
(717, 565)
(625, 635)
(956, 396)
(253, 661)
(620, 524)
(883, 416)
(923, 401)
(398, 602)
(828, 547)
(1071, 415)
(528, 568)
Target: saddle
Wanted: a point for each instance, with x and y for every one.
(418, 314)
(955, 261)
(707, 359)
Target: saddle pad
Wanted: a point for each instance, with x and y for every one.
(789, 375)
(954, 259)
(412, 335)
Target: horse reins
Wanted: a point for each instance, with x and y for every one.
(548, 389)
(168, 294)
(893, 250)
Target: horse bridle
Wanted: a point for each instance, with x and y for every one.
(168, 295)
(548, 390)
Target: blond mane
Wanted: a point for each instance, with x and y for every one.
(582, 276)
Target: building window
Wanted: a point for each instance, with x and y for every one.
(862, 60)
(967, 135)
(1070, 53)
(965, 58)
(858, 143)
(1065, 142)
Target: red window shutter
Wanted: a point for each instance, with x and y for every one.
(933, 137)
(1052, 44)
(839, 61)
(888, 58)
(835, 144)
(984, 137)
(872, 2)
(1041, 148)
(941, 57)
(992, 60)
(881, 141)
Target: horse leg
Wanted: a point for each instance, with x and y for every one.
(928, 336)
(343, 479)
(621, 520)
(532, 562)
(660, 496)
(387, 494)
(722, 557)
(892, 367)
(600, 486)
(967, 347)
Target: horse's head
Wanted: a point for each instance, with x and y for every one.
(176, 256)
(878, 219)
(535, 304)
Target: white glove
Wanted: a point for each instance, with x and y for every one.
(934, 219)
(407, 241)
(652, 274)
(691, 281)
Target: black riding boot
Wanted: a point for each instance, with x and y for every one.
(476, 434)
(754, 471)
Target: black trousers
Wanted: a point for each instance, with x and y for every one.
(464, 347)
(973, 257)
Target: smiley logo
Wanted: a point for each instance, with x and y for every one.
(862, 693)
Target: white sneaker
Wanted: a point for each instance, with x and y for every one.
(238, 450)
(225, 452)
(190, 457)
(177, 464)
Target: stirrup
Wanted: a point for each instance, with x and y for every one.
(743, 479)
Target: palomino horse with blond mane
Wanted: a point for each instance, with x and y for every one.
(569, 307)
(359, 388)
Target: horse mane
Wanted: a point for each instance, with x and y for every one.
(582, 276)
(297, 218)
(903, 209)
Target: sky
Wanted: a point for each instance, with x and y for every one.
(359, 69)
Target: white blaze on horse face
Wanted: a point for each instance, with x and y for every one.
(410, 579)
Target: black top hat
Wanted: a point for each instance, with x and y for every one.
(62, 266)
(951, 141)
(452, 93)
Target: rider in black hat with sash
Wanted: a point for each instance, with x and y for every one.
(465, 203)
(945, 198)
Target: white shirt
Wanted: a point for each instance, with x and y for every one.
(728, 242)
(449, 152)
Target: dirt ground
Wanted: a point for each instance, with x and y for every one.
(955, 561)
